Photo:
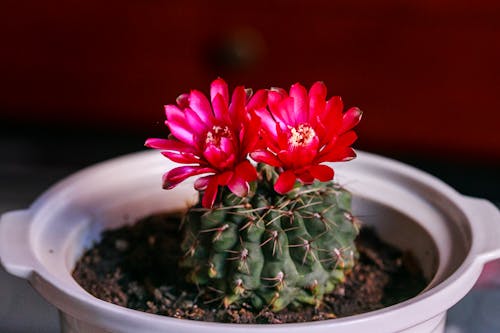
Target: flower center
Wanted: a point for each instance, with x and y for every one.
(301, 136)
(216, 134)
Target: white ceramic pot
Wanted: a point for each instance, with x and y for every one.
(450, 234)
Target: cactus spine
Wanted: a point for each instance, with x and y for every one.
(272, 250)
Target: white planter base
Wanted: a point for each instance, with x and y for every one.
(72, 325)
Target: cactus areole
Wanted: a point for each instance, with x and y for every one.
(275, 231)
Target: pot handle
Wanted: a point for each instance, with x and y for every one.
(16, 255)
(487, 216)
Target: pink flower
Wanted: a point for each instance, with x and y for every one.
(301, 130)
(213, 138)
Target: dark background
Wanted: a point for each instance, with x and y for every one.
(81, 81)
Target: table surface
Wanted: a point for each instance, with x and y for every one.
(32, 162)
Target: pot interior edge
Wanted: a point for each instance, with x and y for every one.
(400, 231)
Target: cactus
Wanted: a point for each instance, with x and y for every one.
(271, 250)
(278, 234)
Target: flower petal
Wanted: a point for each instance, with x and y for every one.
(274, 101)
(331, 119)
(258, 100)
(210, 193)
(347, 139)
(157, 143)
(173, 113)
(300, 107)
(180, 132)
(280, 91)
(265, 156)
(267, 121)
(250, 136)
(182, 101)
(219, 86)
(197, 125)
(350, 119)
(216, 157)
(185, 158)
(339, 154)
(286, 113)
(220, 109)
(333, 112)
(237, 106)
(238, 186)
(246, 171)
(317, 101)
(227, 145)
(168, 144)
(321, 172)
(176, 121)
(179, 174)
(286, 159)
(282, 136)
(200, 104)
(201, 183)
(336, 144)
(224, 178)
(285, 182)
(306, 177)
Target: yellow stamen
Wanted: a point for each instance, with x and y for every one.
(301, 136)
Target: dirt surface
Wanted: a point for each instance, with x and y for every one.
(136, 267)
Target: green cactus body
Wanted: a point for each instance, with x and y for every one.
(272, 250)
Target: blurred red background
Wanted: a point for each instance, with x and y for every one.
(426, 73)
